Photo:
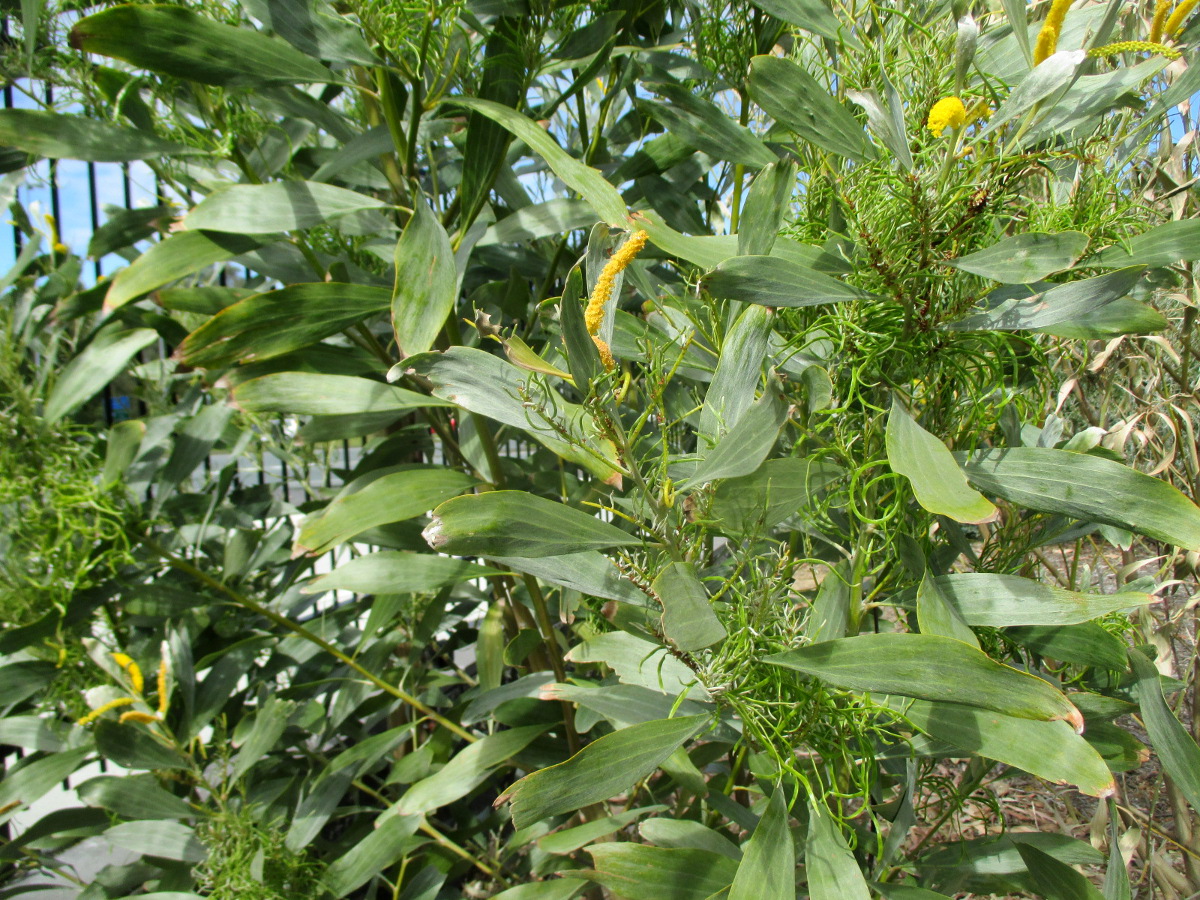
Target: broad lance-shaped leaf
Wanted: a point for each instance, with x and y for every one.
(188, 45)
(277, 322)
(56, 136)
(381, 848)
(99, 363)
(742, 450)
(278, 206)
(602, 769)
(426, 282)
(1017, 308)
(833, 872)
(1176, 749)
(590, 572)
(515, 523)
(378, 499)
(936, 616)
(468, 769)
(938, 482)
(641, 872)
(397, 572)
(177, 256)
(800, 103)
(777, 489)
(311, 394)
(1163, 245)
(768, 868)
(1052, 878)
(1024, 258)
(688, 620)
(707, 128)
(772, 281)
(929, 667)
(998, 601)
(1090, 488)
(738, 373)
(1050, 750)
(588, 182)
(488, 385)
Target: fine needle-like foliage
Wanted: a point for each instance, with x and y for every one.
(716, 481)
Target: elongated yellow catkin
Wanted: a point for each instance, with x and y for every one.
(606, 356)
(1134, 47)
(134, 715)
(101, 710)
(594, 314)
(1047, 39)
(164, 698)
(1160, 19)
(1175, 22)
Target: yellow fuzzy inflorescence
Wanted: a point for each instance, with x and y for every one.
(1134, 47)
(164, 698)
(1175, 22)
(594, 314)
(1047, 39)
(1160, 19)
(949, 112)
(101, 710)
(135, 716)
(133, 670)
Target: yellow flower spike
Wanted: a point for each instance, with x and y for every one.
(1160, 18)
(606, 356)
(164, 698)
(101, 710)
(594, 314)
(132, 669)
(1134, 47)
(135, 716)
(949, 112)
(1175, 22)
(1047, 39)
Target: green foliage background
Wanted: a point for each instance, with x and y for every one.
(859, 496)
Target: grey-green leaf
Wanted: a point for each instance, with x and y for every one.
(469, 768)
(1176, 750)
(602, 769)
(641, 872)
(773, 281)
(604, 199)
(929, 667)
(742, 450)
(397, 572)
(1024, 258)
(308, 393)
(277, 206)
(768, 867)
(987, 599)
(936, 616)
(182, 254)
(99, 363)
(833, 872)
(938, 482)
(1163, 245)
(1050, 750)
(56, 136)
(800, 103)
(391, 497)
(175, 41)
(426, 282)
(276, 322)
(1022, 309)
(688, 619)
(1090, 488)
(487, 524)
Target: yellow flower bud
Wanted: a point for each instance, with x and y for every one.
(101, 710)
